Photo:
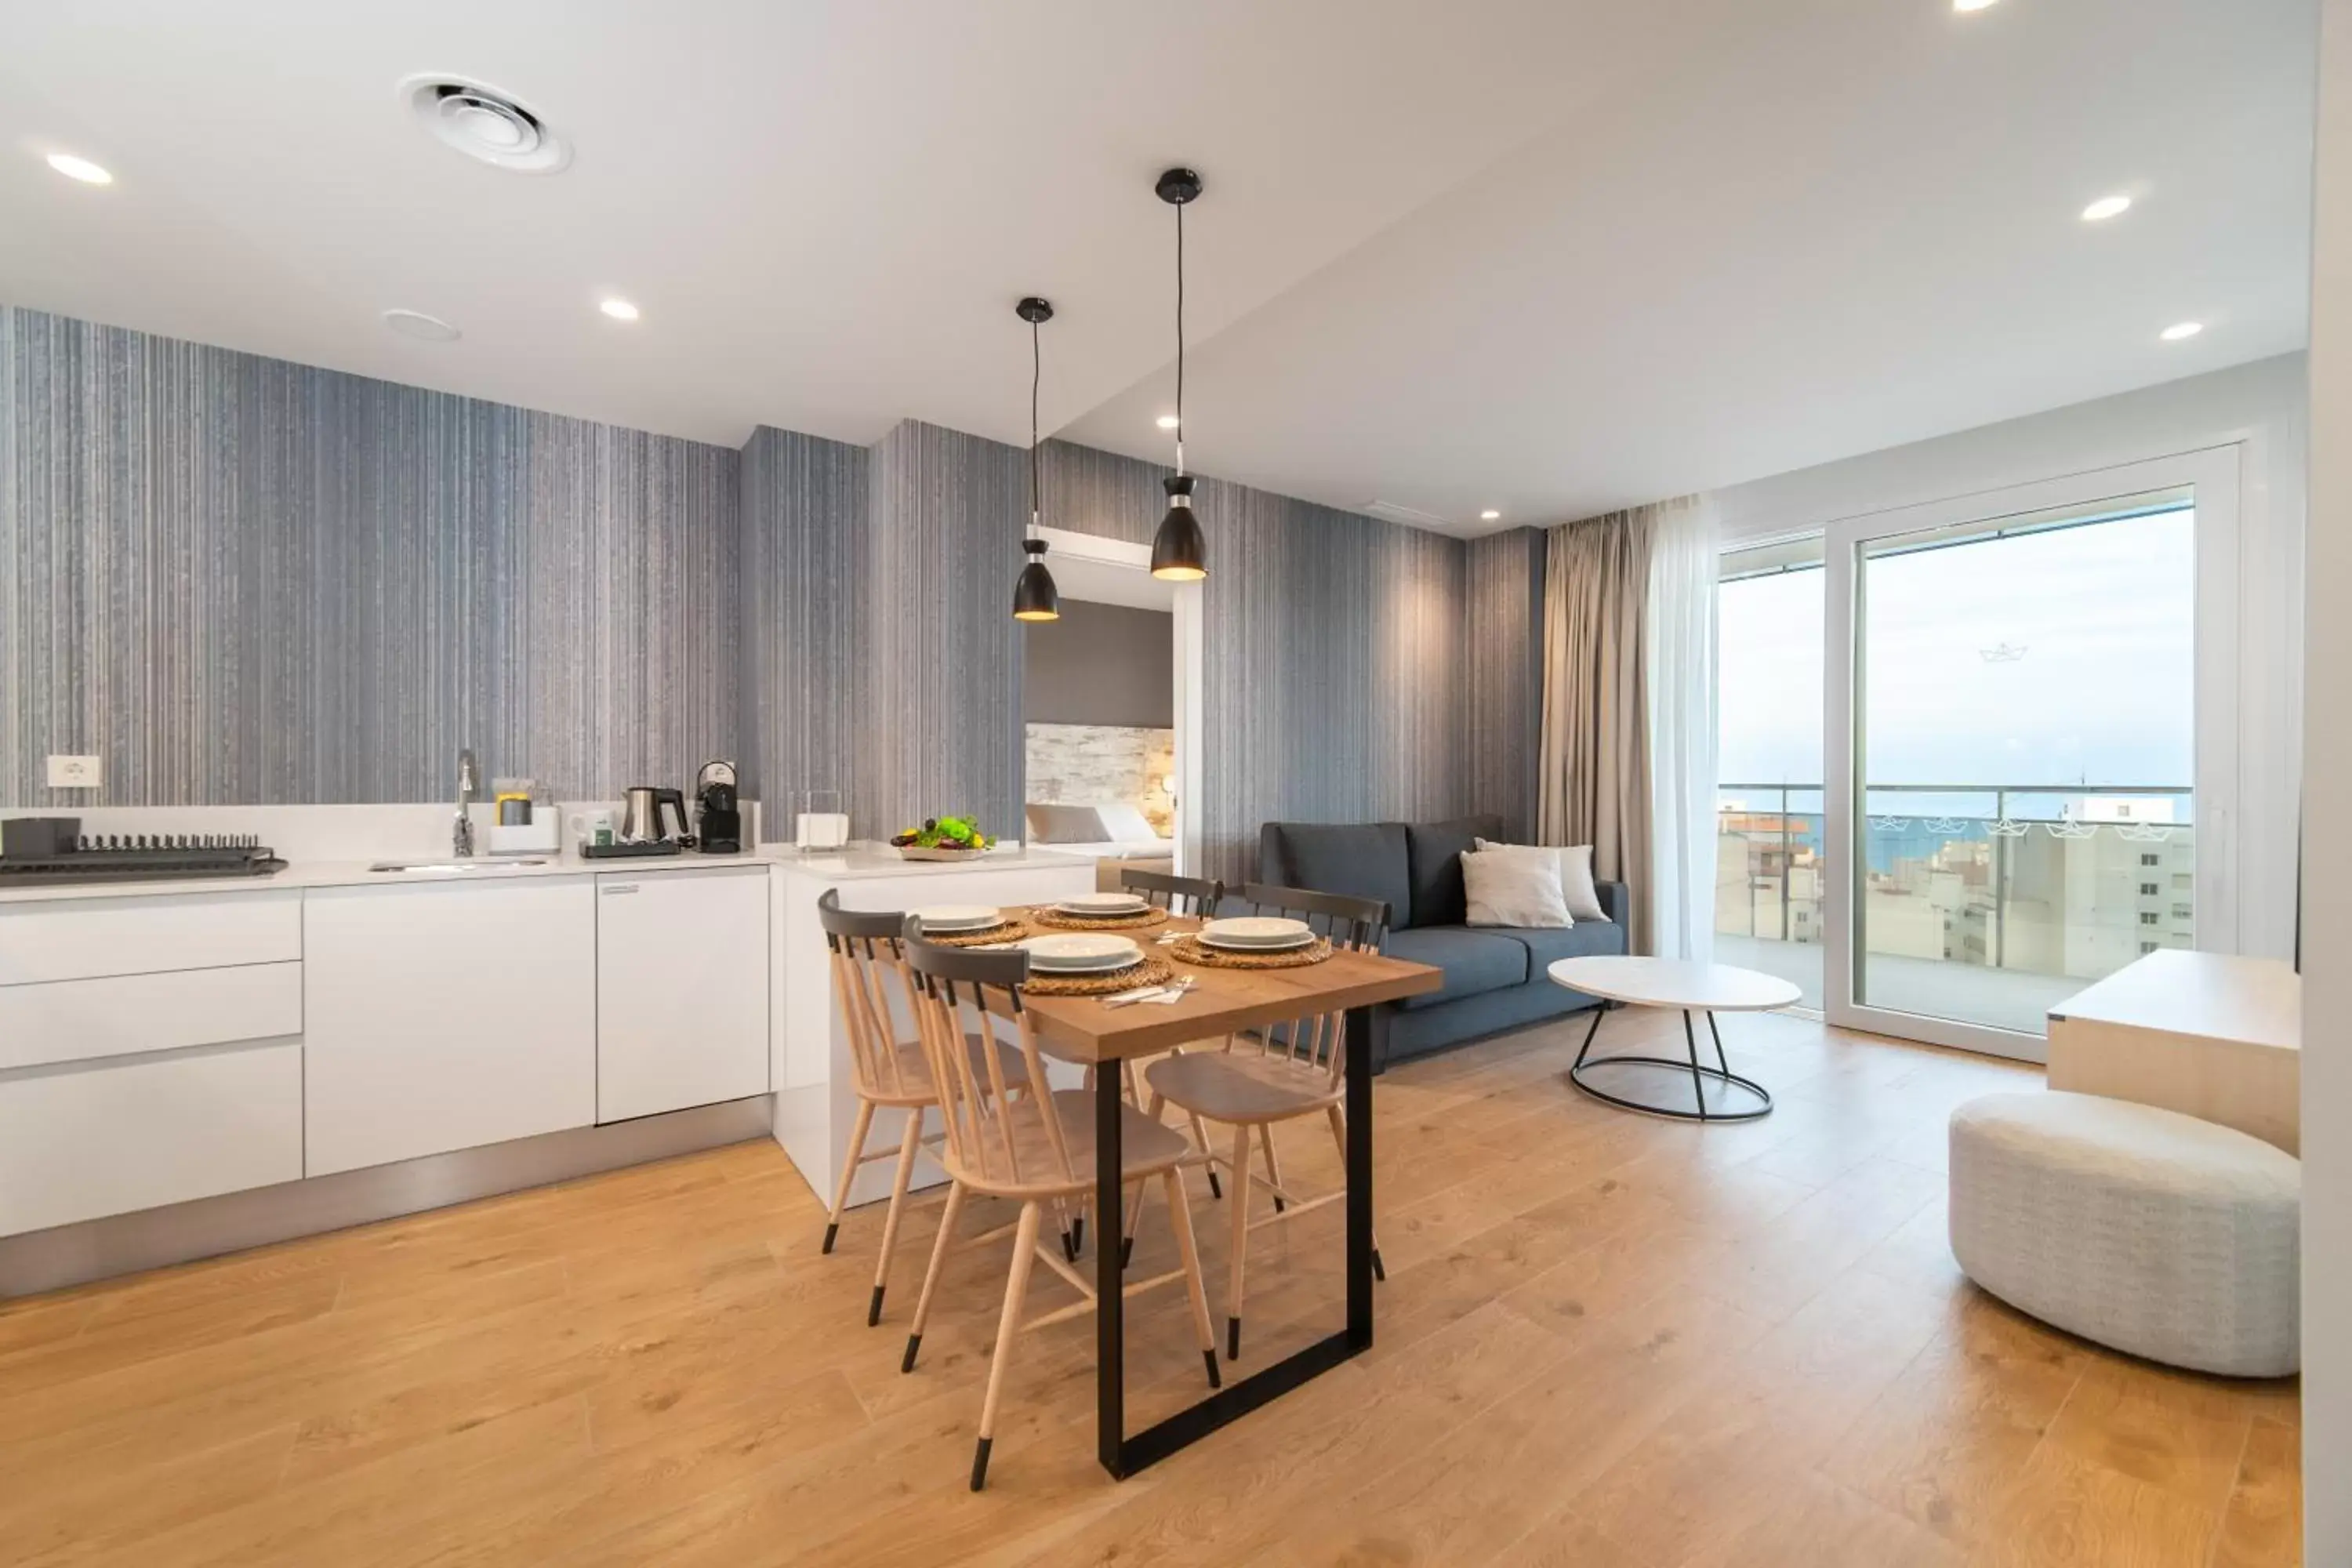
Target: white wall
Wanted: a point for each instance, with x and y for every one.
(2327, 855)
(2264, 408)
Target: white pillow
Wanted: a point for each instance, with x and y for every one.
(1123, 822)
(1051, 823)
(1575, 862)
(1513, 889)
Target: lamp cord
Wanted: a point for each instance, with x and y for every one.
(1036, 374)
(1180, 339)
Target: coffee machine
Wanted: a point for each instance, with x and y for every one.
(718, 814)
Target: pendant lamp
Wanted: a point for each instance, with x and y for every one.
(1035, 597)
(1178, 552)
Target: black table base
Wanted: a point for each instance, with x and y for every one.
(1122, 1454)
(1738, 1099)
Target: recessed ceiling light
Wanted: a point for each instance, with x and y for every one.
(2181, 330)
(1489, 515)
(423, 328)
(619, 309)
(1167, 422)
(81, 169)
(1972, 4)
(2106, 208)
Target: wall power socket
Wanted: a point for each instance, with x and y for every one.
(75, 772)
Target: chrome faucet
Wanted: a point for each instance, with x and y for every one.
(461, 834)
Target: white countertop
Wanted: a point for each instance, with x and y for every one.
(355, 874)
(858, 862)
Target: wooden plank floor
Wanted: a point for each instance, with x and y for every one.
(1605, 1340)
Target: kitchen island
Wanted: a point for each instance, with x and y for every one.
(816, 1108)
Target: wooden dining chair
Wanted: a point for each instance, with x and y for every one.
(1034, 1150)
(868, 958)
(1178, 895)
(1277, 1074)
(1201, 897)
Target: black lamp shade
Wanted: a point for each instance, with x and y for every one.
(1035, 597)
(1178, 552)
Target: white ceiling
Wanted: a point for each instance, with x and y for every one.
(1540, 255)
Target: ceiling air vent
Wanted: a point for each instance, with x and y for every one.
(483, 122)
(1388, 512)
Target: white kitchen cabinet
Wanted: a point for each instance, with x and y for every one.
(133, 1014)
(447, 1016)
(82, 939)
(681, 989)
(82, 1141)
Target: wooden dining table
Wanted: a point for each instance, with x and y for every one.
(1221, 1002)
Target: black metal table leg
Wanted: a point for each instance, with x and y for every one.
(1698, 1083)
(1599, 1009)
(1188, 1425)
(1730, 1085)
(1360, 1025)
(1110, 1298)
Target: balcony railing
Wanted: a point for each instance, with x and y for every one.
(1963, 875)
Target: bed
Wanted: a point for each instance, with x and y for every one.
(1113, 834)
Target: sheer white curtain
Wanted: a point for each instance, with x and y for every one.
(1679, 656)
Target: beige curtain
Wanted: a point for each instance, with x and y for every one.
(1595, 767)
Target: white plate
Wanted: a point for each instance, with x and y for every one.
(960, 917)
(1290, 946)
(1257, 931)
(1081, 954)
(1103, 906)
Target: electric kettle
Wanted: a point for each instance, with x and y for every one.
(641, 815)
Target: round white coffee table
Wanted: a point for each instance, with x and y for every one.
(1655, 1085)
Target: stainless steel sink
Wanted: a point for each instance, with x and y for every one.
(451, 865)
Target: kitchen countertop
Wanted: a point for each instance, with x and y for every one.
(860, 861)
(857, 862)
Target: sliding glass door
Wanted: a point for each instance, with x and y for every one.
(2023, 760)
(1771, 859)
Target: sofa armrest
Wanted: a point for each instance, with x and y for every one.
(1615, 898)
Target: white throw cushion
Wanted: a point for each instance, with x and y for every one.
(1124, 823)
(1509, 889)
(1575, 863)
(1056, 824)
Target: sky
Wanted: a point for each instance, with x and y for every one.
(2093, 628)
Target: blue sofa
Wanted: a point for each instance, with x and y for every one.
(1494, 976)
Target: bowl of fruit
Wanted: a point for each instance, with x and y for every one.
(942, 839)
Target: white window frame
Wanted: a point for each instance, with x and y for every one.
(2213, 477)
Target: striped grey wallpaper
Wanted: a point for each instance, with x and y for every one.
(1504, 585)
(805, 561)
(940, 670)
(1339, 651)
(245, 581)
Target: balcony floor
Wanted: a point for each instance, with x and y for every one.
(2002, 998)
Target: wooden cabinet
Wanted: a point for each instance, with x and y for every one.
(681, 989)
(447, 1016)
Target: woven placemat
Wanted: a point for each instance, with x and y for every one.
(1054, 920)
(1192, 950)
(1011, 930)
(1153, 970)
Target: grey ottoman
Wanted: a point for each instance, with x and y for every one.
(2141, 1228)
